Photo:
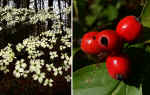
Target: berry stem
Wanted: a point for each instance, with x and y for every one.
(144, 5)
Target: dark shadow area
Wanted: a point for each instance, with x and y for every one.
(140, 69)
(80, 60)
(18, 33)
(145, 34)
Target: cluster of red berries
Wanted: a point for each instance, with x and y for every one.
(127, 30)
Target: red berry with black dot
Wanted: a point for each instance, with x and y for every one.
(129, 28)
(118, 67)
(88, 43)
(108, 40)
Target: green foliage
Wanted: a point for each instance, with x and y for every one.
(146, 15)
(147, 49)
(94, 79)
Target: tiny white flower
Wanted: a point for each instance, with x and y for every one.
(39, 77)
(6, 71)
(35, 76)
(57, 71)
(68, 78)
(1, 28)
(16, 73)
(25, 75)
(23, 65)
(48, 82)
(19, 47)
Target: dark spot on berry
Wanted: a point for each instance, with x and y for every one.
(104, 41)
(119, 77)
(94, 37)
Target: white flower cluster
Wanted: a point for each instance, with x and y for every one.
(51, 67)
(55, 42)
(13, 15)
(6, 57)
(37, 67)
(46, 40)
(20, 69)
(42, 16)
(65, 39)
(67, 61)
(24, 15)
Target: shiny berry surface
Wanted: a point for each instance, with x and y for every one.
(88, 43)
(108, 40)
(118, 67)
(129, 28)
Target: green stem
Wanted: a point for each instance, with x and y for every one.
(141, 89)
(144, 5)
(75, 9)
(117, 88)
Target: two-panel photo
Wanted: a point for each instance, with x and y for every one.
(74, 47)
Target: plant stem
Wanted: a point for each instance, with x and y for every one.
(75, 9)
(144, 5)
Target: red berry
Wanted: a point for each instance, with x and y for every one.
(88, 43)
(108, 40)
(129, 28)
(118, 67)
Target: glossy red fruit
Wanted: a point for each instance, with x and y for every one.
(129, 28)
(118, 67)
(88, 43)
(108, 40)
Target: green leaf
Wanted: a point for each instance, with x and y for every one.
(146, 14)
(137, 45)
(147, 49)
(111, 12)
(81, 6)
(94, 80)
(96, 8)
(123, 89)
(90, 20)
